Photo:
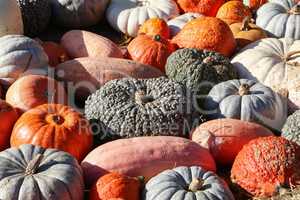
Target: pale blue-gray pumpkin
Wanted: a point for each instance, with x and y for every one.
(34, 173)
(187, 183)
(246, 100)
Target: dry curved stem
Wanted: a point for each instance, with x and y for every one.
(290, 55)
(244, 89)
(34, 164)
(196, 185)
(245, 24)
(295, 10)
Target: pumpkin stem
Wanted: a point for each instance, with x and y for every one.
(57, 119)
(290, 54)
(141, 98)
(196, 185)
(295, 10)
(244, 89)
(245, 24)
(157, 38)
(62, 58)
(33, 164)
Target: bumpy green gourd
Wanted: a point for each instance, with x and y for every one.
(291, 128)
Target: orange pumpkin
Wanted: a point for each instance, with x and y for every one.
(233, 12)
(206, 7)
(151, 50)
(56, 53)
(54, 126)
(255, 4)
(155, 26)
(116, 186)
(8, 117)
(34, 90)
(207, 33)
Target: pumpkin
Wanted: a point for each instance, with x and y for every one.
(187, 183)
(254, 4)
(20, 55)
(77, 14)
(36, 15)
(279, 18)
(177, 23)
(126, 16)
(8, 117)
(274, 63)
(84, 76)
(266, 164)
(87, 44)
(11, 18)
(205, 7)
(155, 26)
(150, 50)
(233, 12)
(246, 32)
(115, 185)
(290, 129)
(54, 126)
(56, 53)
(206, 33)
(34, 90)
(152, 155)
(31, 172)
(246, 100)
(224, 138)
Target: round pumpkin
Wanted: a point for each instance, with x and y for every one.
(36, 15)
(187, 183)
(266, 164)
(207, 33)
(155, 26)
(56, 53)
(254, 4)
(233, 12)
(34, 90)
(20, 55)
(149, 107)
(76, 14)
(205, 7)
(246, 32)
(246, 100)
(8, 117)
(224, 138)
(87, 44)
(177, 23)
(126, 16)
(273, 62)
(54, 126)
(291, 127)
(31, 172)
(144, 156)
(115, 185)
(151, 50)
(10, 18)
(279, 18)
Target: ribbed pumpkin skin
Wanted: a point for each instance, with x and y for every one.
(57, 176)
(226, 137)
(36, 15)
(144, 156)
(206, 7)
(266, 163)
(155, 26)
(115, 185)
(177, 184)
(291, 128)
(54, 126)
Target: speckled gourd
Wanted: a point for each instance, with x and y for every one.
(291, 128)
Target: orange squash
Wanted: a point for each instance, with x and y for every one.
(56, 53)
(155, 26)
(114, 186)
(233, 12)
(151, 50)
(207, 33)
(255, 4)
(54, 126)
(206, 7)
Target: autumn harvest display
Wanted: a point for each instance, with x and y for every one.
(150, 100)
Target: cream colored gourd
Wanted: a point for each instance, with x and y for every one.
(10, 18)
(127, 15)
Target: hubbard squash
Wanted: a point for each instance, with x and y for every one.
(155, 26)
(152, 155)
(56, 53)
(205, 7)
(87, 44)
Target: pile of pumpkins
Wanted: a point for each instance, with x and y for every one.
(196, 89)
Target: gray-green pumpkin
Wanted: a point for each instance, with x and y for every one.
(34, 173)
(36, 15)
(138, 107)
(291, 128)
(187, 183)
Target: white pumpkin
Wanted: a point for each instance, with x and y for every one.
(275, 63)
(127, 15)
(10, 18)
(281, 18)
(177, 23)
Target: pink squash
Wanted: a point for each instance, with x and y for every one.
(225, 137)
(144, 156)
